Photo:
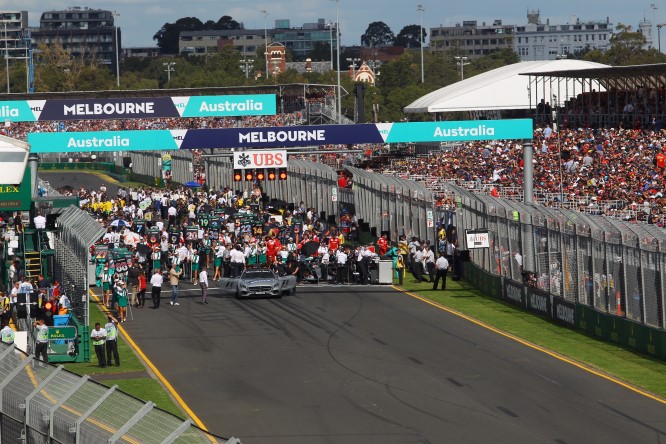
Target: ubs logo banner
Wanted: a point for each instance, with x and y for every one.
(251, 159)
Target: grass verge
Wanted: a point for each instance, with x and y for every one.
(147, 389)
(635, 369)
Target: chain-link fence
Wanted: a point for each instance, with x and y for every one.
(147, 166)
(41, 403)
(617, 267)
(76, 233)
(393, 205)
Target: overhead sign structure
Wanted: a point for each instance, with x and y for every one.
(138, 108)
(477, 239)
(252, 159)
(281, 136)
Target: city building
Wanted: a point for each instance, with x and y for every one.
(472, 40)
(300, 41)
(543, 41)
(84, 32)
(12, 25)
(141, 52)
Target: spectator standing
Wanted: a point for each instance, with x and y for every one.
(133, 281)
(174, 279)
(203, 284)
(142, 289)
(441, 269)
(429, 262)
(7, 334)
(156, 281)
(98, 338)
(111, 328)
(42, 341)
(122, 301)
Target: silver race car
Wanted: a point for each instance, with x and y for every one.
(258, 282)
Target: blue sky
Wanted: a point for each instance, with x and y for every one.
(140, 19)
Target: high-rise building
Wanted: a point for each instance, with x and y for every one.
(300, 41)
(12, 25)
(84, 32)
(543, 41)
(472, 40)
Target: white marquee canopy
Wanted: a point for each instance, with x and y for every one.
(501, 89)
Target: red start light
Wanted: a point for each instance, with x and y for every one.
(283, 175)
(238, 177)
(248, 176)
(260, 176)
(272, 175)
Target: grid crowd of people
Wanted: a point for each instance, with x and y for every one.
(20, 130)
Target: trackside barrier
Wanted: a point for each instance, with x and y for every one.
(147, 166)
(41, 403)
(309, 182)
(593, 273)
(393, 205)
(622, 331)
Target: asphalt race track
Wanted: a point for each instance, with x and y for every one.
(373, 365)
(77, 180)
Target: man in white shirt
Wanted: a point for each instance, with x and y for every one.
(40, 238)
(203, 284)
(156, 281)
(429, 262)
(417, 265)
(237, 259)
(441, 268)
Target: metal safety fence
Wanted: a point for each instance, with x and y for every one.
(393, 205)
(314, 184)
(76, 233)
(148, 166)
(41, 403)
(614, 266)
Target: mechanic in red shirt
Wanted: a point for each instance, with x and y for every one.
(382, 244)
(272, 249)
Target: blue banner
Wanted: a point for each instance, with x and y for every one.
(279, 137)
(156, 140)
(138, 108)
(457, 131)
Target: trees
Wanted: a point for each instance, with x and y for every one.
(377, 34)
(167, 36)
(409, 37)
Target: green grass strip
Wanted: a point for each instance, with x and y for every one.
(147, 389)
(635, 369)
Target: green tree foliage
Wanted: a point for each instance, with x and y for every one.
(167, 36)
(321, 52)
(408, 37)
(377, 34)
(626, 48)
(56, 70)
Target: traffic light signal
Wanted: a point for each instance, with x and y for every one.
(249, 176)
(272, 175)
(282, 174)
(261, 176)
(238, 176)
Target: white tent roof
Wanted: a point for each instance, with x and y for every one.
(13, 160)
(501, 88)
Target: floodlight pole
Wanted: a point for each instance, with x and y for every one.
(420, 8)
(265, 40)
